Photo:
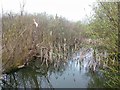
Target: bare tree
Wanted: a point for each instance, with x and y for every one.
(22, 6)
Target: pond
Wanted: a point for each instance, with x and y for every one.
(72, 73)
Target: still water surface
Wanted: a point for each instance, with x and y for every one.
(73, 73)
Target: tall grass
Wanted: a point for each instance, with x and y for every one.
(53, 38)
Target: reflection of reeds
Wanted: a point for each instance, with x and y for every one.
(34, 75)
(94, 58)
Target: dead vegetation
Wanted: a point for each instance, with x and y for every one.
(53, 38)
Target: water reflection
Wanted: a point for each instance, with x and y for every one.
(73, 73)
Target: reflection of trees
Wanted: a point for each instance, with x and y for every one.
(96, 79)
(23, 78)
(34, 75)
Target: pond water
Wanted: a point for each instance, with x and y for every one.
(72, 73)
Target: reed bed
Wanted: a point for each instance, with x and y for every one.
(54, 38)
